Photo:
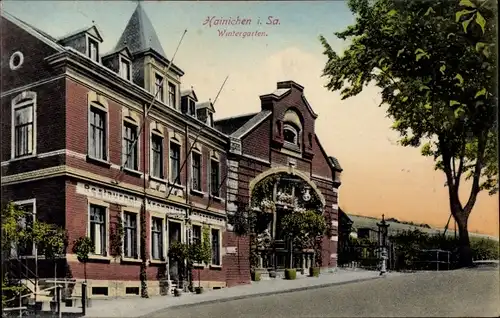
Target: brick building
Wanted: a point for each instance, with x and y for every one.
(92, 140)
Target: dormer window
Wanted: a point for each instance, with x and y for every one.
(93, 50)
(125, 69)
(291, 134)
(171, 95)
(159, 88)
(210, 119)
(192, 108)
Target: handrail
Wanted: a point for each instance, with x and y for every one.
(33, 293)
(14, 308)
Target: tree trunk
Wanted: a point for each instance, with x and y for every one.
(465, 252)
(85, 271)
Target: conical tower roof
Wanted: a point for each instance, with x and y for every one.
(139, 34)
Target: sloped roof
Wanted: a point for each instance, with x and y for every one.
(139, 34)
(231, 124)
(93, 30)
(250, 124)
(208, 105)
(336, 164)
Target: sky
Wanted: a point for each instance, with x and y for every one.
(379, 176)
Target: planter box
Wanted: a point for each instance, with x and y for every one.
(314, 271)
(255, 276)
(290, 273)
(198, 290)
(177, 292)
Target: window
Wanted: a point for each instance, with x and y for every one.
(171, 95)
(196, 171)
(291, 134)
(130, 146)
(175, 153)
(196, 234)
(157, 238)
(27, 247)
(215, 247)
(98, 229)
(130, 235)
(97, 134)
(157, 156)
(210, 119)
(214, 178)
(24, 134)
(93, 50)
(125, 69)
(192, 108)
(159, 88)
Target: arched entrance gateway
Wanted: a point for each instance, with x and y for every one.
(274, 195)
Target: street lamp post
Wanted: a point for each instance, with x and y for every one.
(382, 238)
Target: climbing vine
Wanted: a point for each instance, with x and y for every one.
(143, 274)
(116, 239)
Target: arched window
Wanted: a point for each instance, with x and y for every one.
(291, 134)
(24, 125)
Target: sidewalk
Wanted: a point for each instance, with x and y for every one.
(139, 307)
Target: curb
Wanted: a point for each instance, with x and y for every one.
(222, 300)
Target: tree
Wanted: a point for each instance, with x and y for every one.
(303, 229)
(435, 63)
(201, 252)
(83, 247)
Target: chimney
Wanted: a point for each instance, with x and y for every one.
(290, 84)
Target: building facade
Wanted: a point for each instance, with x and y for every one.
(96, 143)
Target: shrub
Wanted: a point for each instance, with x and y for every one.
(255, 276)
(314, 271)
(290, 273)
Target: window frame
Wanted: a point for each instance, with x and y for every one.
(174, 141)
(296, 132)
(137, 229)
(20, 101)
(171, 93)
(192, 110)
(97, 108)
(123, 60)
(197, 152)
(15, 249)
(156, 134)
(163, 232)
(159, 97)
(128, 121)
(89, 42)
(105, 244)
(212, 191)
(219, 247)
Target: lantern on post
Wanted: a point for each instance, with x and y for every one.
(382, 241)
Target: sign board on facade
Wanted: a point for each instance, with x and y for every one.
(128, 200)
(231, 250)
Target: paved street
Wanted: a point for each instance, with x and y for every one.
(472, 293)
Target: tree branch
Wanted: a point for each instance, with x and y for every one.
(481, 146)
(452, 187)
(458, 175)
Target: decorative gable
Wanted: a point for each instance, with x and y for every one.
(85, 41)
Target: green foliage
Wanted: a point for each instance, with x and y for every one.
(116, 239)
(304, 227)
(255, 276)
(435, 63)
(314, 271)
(50, 240)
(290, 273)
(178, 251)
(12, 232)
(201, 252)
(83, 247)
(484, 249)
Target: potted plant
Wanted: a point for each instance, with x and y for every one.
(201, 252)
(178, 252)
(290, 273)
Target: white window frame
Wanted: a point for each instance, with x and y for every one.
(155, 87)
(176, 95)
(215, 158)
(200, 181)
(296, 131)
(171, 180)
(158, 134)
(130, 121)
(89, 39)
(164, 249)
(103, 109)
(137, 232)
(219, 231)
(21, 100)
(123, 60)
(106, 225)
(14, 249)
